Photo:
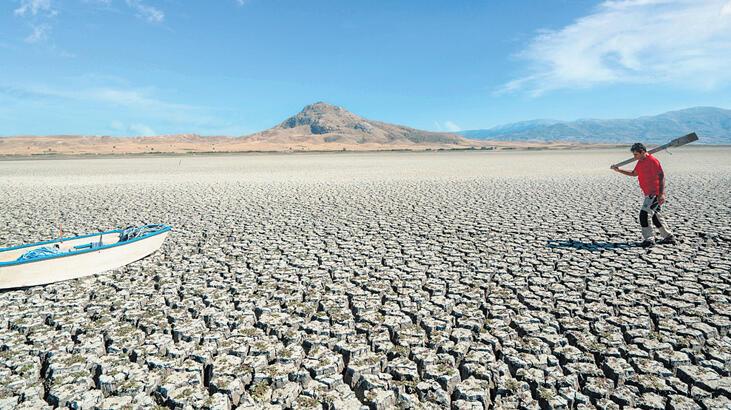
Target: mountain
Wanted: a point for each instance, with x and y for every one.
(713, 126)
(318, 127)
(323, 124)
(511, 128)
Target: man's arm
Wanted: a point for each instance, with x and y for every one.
(661, 187)
(632, 173)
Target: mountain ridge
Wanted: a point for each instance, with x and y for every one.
(712, 124)
(325, 127)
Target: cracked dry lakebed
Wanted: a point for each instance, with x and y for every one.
(434, 280)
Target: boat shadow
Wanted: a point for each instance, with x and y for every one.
(590, 246)
(16, 289)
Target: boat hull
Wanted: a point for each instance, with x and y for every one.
(77, 265)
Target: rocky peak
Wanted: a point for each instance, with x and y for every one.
(323, 118)
(321, 108)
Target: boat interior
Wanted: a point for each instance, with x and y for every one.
(63, 245)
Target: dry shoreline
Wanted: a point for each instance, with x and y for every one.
(519, 148)
(31, 147)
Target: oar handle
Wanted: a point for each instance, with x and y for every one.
(685, 139)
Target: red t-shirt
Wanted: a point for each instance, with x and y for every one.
(648, 171)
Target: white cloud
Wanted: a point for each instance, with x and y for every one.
(149, 13)
(726, 10)
(147, 112)
(133, 98)
(34, 8)
(136, 98)
(449, 126)
(39, 14)
(452, 127)
(135, 129)
(142, 129)
(686, 42)
(40, 33)
(241, 2)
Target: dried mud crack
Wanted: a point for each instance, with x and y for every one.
(423, 281)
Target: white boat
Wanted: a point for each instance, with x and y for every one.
(74, 257)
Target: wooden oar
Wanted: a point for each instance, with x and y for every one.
(686, 139)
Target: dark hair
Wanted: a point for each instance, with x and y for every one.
(638, 147)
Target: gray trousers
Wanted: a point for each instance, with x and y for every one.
(651, 210)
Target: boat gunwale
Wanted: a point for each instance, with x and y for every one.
(165, 228)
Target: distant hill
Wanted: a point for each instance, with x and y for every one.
(318, 127)
(322, 123)
(713, 126)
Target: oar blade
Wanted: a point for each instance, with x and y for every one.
(686, 139)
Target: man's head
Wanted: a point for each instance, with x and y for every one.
(638, 150)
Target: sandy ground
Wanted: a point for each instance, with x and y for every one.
(439, 279)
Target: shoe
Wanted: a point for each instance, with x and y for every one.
(647, 243)
(669, 240)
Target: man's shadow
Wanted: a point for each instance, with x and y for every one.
(590, 246)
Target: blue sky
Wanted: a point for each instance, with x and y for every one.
(233, 67)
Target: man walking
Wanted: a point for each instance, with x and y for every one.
(652, 183)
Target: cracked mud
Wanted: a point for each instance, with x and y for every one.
(434, 280)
